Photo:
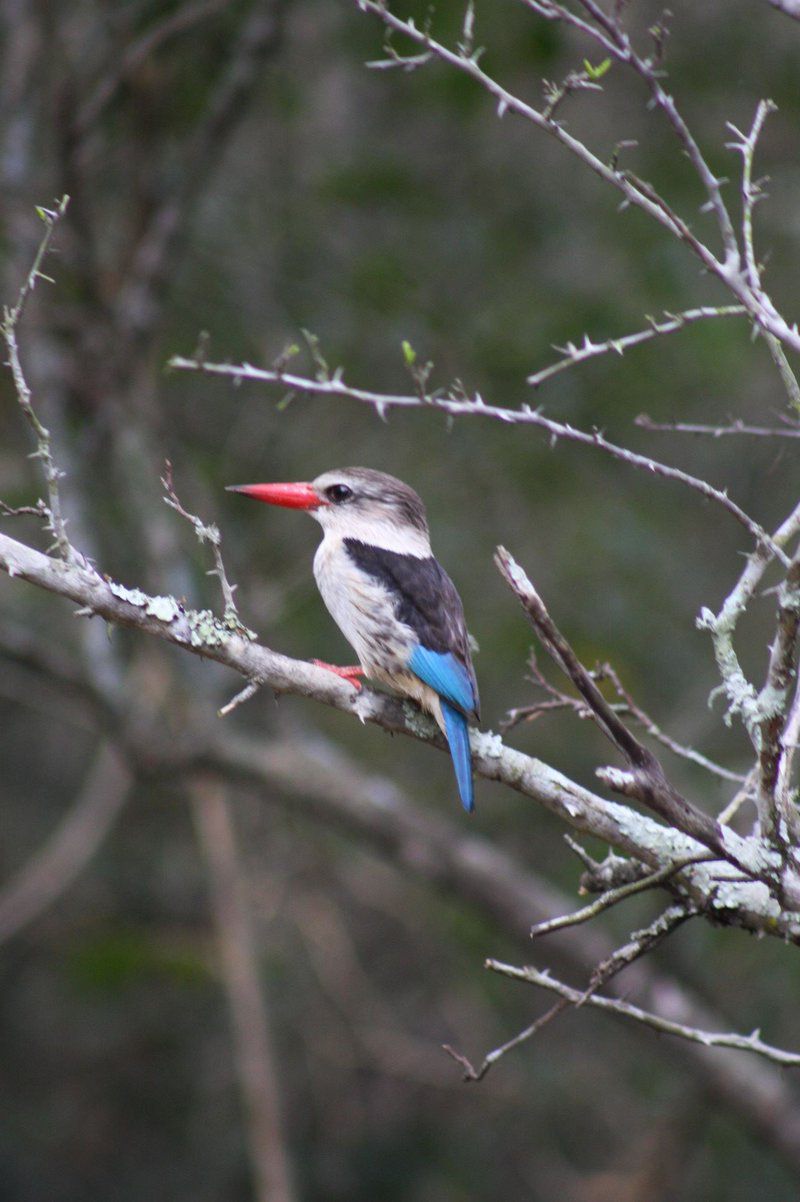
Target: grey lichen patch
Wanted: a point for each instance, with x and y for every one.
(743, 896)
(231, 622)
(486, 743)
(165, 609)
(206, 629)
(134, 596)
(416, 721)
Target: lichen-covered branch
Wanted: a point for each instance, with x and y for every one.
(749, 903)
(646, 779)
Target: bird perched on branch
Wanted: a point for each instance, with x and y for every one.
(391, 599)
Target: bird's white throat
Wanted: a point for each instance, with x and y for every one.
(373, 530)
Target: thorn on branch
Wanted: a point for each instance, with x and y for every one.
(208, 533)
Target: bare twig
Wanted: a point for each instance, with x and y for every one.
(646, 779)
(11, 316)
(612, 898)
(752, 192)
(573, 355)
(208, 533)
(639, 944)
(710, 1039)
(738, 427)
(461, 406)
(634, 191)
(627, 705)
(747, 792)
(477, 1074)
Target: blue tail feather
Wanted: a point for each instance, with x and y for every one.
(457, 732)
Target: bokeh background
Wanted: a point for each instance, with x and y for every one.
(235, 168)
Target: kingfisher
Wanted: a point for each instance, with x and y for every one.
(393, 601)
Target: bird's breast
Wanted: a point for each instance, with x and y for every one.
(364, 611)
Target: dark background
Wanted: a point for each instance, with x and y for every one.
(368, 207)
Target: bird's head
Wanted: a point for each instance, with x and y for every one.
(355, 502)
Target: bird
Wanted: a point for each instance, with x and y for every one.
(390, 597)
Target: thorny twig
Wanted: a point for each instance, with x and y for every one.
(465, 406)
(613, 897)
(645, 422)
(56, 522)
(207, 532)
(726, 268)
(752, 192)
(645, 778)
(672, 323)
(638, 945)
(746, 1043)
(627, 705)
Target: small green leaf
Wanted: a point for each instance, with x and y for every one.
(599, 71)
(409, 354)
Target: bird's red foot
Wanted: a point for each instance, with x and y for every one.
(350, 673)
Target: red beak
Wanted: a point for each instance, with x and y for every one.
(291, 496)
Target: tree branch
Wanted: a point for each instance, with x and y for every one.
(200, 632)
(573, 355)
(634, 191)
(646, 779)
(461, 406)
(709, 1039)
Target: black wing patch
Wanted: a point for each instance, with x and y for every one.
(425, 599)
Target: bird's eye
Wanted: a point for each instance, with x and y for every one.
(338, 492)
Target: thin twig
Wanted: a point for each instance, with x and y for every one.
(11, 316)
(752, 192)
(639, 944)
(573, 355)
(635, 191)
(461, 406)
(646, 779)
(710, 1039)
(644, 719)
(477, 1074)
(645, 422)
(208, 533)
(560, 701)
(778, 820)
(613, 897)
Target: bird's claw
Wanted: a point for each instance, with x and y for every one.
(349, 673)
